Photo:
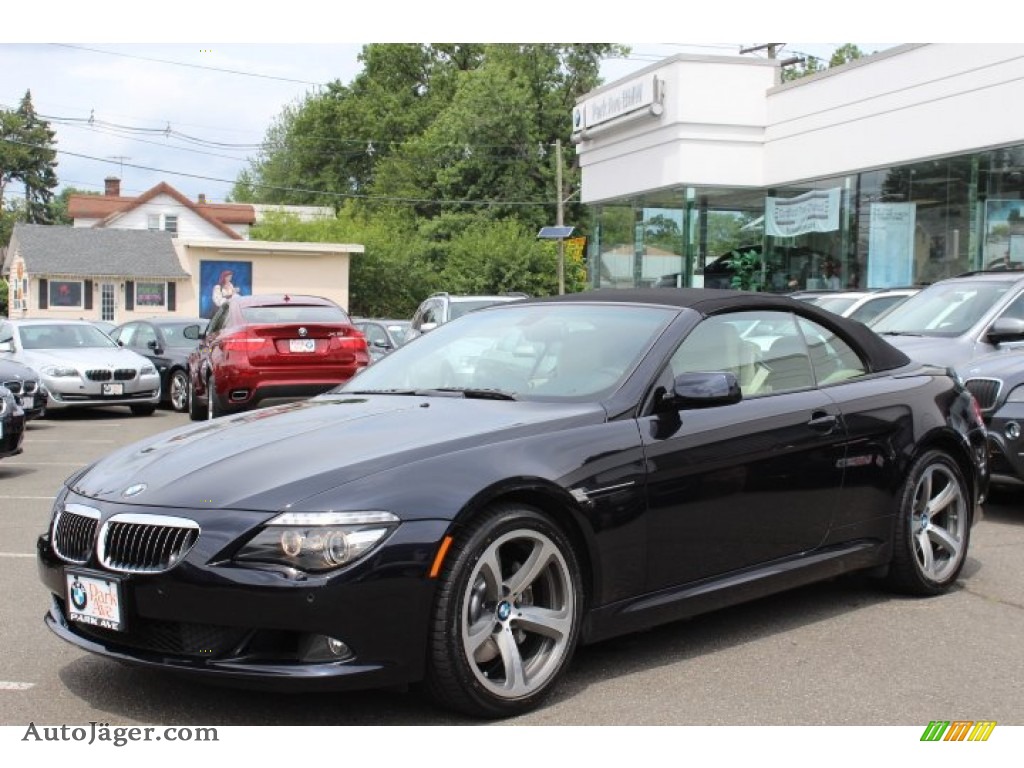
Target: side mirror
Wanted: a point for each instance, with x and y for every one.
(6, 346)
(1006, 329)
(703, 390)
(154, 345)
(380, 344)
(193, 332)
(427, 327)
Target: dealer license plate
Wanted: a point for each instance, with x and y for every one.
(94, 600)
(302, 345)
(27, 401)
(113, 389)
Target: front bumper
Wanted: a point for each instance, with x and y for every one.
(78, 392)
(1006, 445)
(261, 628)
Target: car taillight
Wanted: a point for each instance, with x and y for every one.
(242, 342)
(354, 343)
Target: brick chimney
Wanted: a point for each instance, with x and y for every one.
(112, 186)
(202, 198)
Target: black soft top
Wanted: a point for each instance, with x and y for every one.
(881, 355)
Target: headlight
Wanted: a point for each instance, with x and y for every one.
(60, 371)
(1016, 394)
(147, 370)
(318, 541)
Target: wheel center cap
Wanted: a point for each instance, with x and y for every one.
(504, 610)
(924, 522)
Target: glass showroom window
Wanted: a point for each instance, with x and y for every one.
(151, 295)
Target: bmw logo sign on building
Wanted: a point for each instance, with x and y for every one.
(577, 118)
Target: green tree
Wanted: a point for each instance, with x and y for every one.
(59, 204)
(39, 175)
(27, 158)
(809, 65)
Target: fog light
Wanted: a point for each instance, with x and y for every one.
(1012, 430)
(338, 648)
(323, 648)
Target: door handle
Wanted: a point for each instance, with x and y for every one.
(823, 422)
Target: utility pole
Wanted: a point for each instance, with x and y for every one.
(560, 216)
(772, 49)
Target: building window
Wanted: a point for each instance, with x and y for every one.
(65, 293)
(150, 294)
(162, 222)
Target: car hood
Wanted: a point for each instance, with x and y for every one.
(271, 458)
(1008, 365)
(112, 357)
(934, 350)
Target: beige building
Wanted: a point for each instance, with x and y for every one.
(158, 254)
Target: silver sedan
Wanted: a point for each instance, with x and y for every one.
(81, 366)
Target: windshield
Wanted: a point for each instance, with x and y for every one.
(174, 338)
(459, 308)
(834, 304)
(542, 351)
(61, 336)
(944, 309)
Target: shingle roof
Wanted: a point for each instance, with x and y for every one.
(108, 208)
(89, 252)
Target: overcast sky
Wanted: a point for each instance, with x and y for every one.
(192, 114)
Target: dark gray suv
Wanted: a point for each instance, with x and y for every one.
(959, 319)
(997, 383)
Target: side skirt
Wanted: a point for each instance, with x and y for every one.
(731, 589)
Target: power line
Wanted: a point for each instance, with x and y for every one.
(302, 190)
(186, 64)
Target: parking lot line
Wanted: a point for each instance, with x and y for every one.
(9, 686)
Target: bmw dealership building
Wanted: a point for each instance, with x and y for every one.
(900, 168)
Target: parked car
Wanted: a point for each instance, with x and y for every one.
(271, 347)
(440, 308)
(80, 366)
(536, 475)
(959, 319)
(163, 343)
(863, 306)
(997, 381)
(104, 325)
(382, 336)
(12, 424)
(24, 384)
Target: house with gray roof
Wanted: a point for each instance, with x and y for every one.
(56, 271)
(117, 275)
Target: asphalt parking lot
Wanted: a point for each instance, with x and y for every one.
(841, 653)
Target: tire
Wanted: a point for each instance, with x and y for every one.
(213, 406)
(501, 634)
(933, 526)
(196, 412)
(143, 410)
(178, 391)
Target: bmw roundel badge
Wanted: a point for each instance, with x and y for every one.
(133, 490)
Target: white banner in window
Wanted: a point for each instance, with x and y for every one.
(816, 211)
(891, 244)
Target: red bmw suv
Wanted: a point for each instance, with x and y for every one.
(271, 346)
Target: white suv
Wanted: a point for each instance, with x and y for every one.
(439, 308)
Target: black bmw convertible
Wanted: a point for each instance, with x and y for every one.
(527, 478)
